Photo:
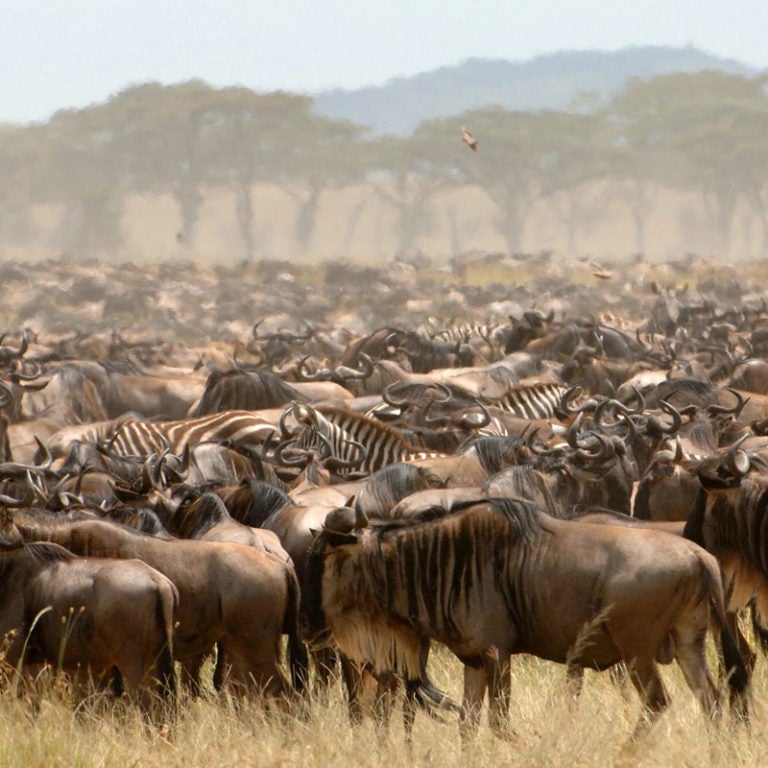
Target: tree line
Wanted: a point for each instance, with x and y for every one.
(702, 133)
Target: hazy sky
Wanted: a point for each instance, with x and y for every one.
(70, 53)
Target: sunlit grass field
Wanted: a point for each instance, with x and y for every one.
(550, 729)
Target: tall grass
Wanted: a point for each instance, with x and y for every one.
(550, 729)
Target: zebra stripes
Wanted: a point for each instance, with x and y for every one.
(143, 438)
(463, 333)
(361, 443)
(533, 401)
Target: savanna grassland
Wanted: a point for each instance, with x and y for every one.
(549, 730)
(548, 727)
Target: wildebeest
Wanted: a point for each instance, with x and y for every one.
(238, 596)
(88, 616)
(487, 580)
(729, 520)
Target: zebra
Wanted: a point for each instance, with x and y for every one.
(135, 437)
(356, 442)
(541, 400)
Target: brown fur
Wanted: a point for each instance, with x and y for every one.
(88, 616)
(488, 581)
(230, 593)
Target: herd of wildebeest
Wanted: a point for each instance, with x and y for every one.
(369, 466)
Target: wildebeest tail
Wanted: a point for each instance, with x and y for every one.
(166, 674)
(426, 694)
(736, 669)
(297, 651)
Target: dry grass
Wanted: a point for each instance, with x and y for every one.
(550, 730)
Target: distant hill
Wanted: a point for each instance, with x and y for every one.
(551, 81)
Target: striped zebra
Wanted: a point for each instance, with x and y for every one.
(363, 444)
(533, 401)
(134, 437)
(463, 333)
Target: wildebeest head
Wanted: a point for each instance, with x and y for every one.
(342, 526)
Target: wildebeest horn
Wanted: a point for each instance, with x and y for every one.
(667, 455)
(572, 434)
(657, 426)
(12, 468)
(741, 401)
(303, 456)
(303, 375)
(565, 401)
(467, 422)
(284, 431)
(345, 520)
(343, 372)
(390, 399)
(337, 462)
(736, 462)
(606, 449)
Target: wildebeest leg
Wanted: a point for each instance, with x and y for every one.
(498, 675)
(690, 653)
(255, 668)
(645, 677)
(190, 674)
(354, 677)
(409, 712)
(386, 686)
(325, 663)
(749, 656)
(220, 671)
(475, 681)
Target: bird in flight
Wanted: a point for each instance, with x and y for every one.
(469, 139)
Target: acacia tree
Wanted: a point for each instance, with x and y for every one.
(274, 138)
(407, 173)
(698, 132)
(576, 156)
(515, 151)
(20, 156)
(83, 170)
(167, 134)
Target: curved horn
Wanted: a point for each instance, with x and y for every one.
(342, 372)
(741, 401)
(606, 449)
(573, 431)
(565, 401)
(284, 431)
(657, 425)
(303, 456)
(390, 399)
(303, 375)
(465, 421)
(736, 462)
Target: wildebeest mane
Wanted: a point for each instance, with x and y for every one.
(48, 552)
(196, 518)
(494, 452)
(139, 518)
(521, 516)
(392, 483)
(34, 521)
(253, 501)
(244, 390)
(698, 390)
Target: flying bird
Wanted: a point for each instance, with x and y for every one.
(469, 139)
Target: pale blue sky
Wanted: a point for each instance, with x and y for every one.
(56, 54)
